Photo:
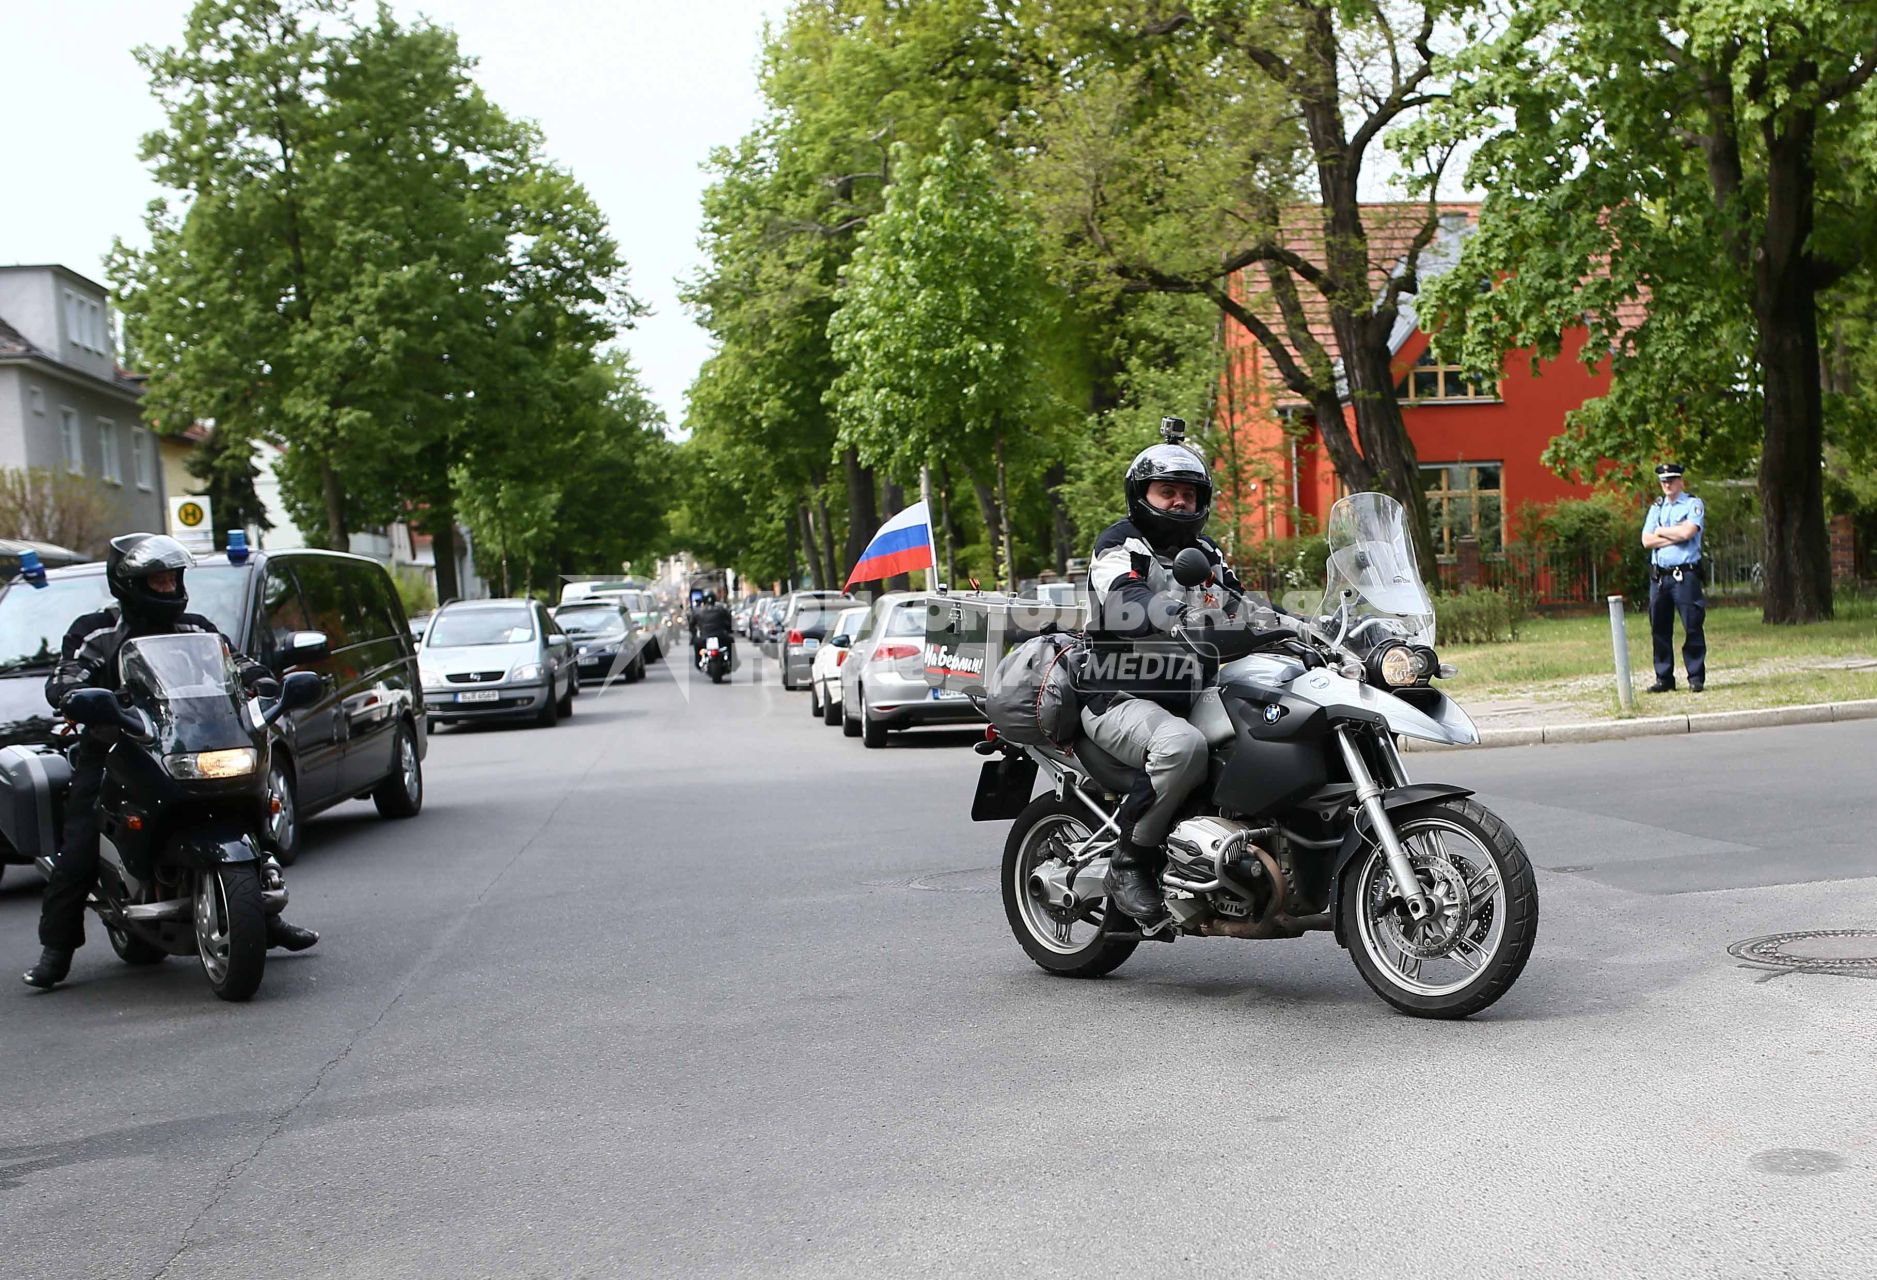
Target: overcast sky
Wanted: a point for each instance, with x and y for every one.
(632, 95)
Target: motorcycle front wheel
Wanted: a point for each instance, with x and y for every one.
(1472, 948)
(1072, 944)
(231, 929)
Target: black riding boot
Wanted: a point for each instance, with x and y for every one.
(1130, 882)
(289, 937)
(54, 964)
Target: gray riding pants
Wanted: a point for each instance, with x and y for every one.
(1145, 735)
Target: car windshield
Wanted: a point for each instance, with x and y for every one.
(33, 619)
(818, 613)
(461, 628)
(849, 622)
(594, 621)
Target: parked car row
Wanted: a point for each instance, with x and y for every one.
(869, 677)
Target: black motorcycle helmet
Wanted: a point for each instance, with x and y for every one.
(1177, 463)
(132, 559)
(710, 598)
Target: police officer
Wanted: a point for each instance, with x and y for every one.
(1672, 534)
(145, 574)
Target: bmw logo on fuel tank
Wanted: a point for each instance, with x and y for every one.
(1273, 713)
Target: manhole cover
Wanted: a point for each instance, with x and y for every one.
(1796, 1162)
(1846, 951)
(973, 880)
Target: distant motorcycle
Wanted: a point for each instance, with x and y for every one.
(182, 808)
(713, 658)
(1308, 820)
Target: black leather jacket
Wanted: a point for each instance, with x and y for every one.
(88, 654)
(711, 620)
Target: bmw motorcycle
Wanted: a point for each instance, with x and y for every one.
(1308, 820)
(182, 808)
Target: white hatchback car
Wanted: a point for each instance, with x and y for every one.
(824, 678)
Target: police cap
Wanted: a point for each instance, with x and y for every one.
(1668, 470)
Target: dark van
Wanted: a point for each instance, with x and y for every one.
(368, 735)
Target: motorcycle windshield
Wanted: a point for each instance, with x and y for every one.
(1373, 574)
(186, 684)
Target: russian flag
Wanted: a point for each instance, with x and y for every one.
(903, 544)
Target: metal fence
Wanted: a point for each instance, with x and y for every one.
(1543, 577)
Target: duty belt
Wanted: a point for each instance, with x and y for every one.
(1676, 571)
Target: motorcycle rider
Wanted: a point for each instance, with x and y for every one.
(145, 574)
(710, 619)
(1140, 679)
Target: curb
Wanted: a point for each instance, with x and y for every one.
(1653, 726)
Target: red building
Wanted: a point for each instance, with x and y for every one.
(1478, 446)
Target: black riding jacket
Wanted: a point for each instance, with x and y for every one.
(88, 654)
(710, 620)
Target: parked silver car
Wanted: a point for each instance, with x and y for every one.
(883, 685)
(497, 659)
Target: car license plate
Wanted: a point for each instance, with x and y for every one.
(946, 695)
(811, 643)
(480, 695)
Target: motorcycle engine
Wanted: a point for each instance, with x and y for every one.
(1192, 849)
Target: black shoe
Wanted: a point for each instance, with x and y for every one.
(1696, 686)
(290, 937)
(1661, 686)
(1131, 885)
(54, 964)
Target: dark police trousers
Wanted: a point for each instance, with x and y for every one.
(75, 869)
(1667, 598)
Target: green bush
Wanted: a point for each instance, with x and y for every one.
(1477, 615)
(414, 590)
(1284, 564)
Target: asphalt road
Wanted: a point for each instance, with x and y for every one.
(693, 986)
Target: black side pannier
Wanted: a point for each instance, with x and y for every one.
(32, 784)
(1032, 697)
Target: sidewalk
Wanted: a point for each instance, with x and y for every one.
(1525, 722)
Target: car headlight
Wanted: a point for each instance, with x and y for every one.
(1396, 665)
(526, 671)
(430, 679)
(232, 762)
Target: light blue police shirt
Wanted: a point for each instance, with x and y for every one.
(1664, 513)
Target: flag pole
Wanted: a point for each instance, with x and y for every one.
(925, 493)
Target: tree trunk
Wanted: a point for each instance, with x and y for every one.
(1385, 441)
(1062, 532)
(443, 550)
(1008, 579)
(863, 517)
(987, 511)
(836, 576)
(950, 529)
(811, 545)
(1797, 559)
(334, 496)
(892, 502)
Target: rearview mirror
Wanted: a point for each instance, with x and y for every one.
(305, 646)
(842, 641)
(301, 689)
(1191, 568)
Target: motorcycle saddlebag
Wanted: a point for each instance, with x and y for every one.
(1032, 698)
(31, 784)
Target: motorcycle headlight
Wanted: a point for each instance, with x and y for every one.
(1397, 665)
(233, 762)
(526, 671)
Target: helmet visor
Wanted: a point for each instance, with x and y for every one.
(159, 553)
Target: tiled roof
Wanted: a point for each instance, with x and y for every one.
(1391, 229)
(13, 343)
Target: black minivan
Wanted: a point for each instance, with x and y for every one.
(366, 737)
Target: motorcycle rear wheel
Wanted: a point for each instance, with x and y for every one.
(1075, 947)
(231, 929)
(1452, 844)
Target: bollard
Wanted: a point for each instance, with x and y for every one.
(1619, 641)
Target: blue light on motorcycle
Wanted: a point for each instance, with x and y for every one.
(237, 546)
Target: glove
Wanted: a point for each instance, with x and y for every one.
(264, 687)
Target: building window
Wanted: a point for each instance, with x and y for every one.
(1431, 380)
(1465, 500)
(111, 467)
(37, 399)
(70, 442)
(84, 322)
(140, 459)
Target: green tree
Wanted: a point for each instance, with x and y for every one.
(1702, 167)
(938, 329)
